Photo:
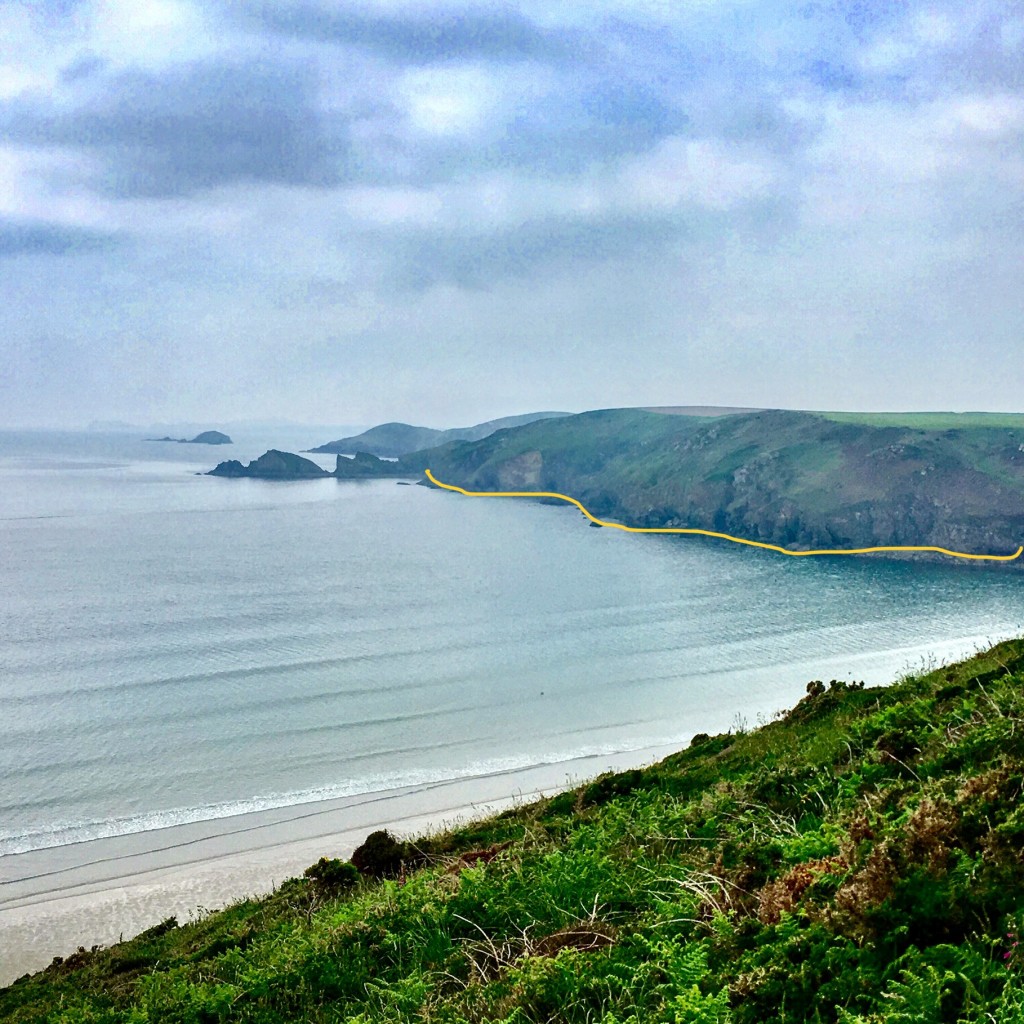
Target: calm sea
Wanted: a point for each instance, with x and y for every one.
(175, 647)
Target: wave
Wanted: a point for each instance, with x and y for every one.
(380, 786)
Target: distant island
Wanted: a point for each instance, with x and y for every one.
(800, 480)
(206, 437)
(391, 440)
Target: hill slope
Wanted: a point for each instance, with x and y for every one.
(390, 440)
(858, 860)
(790, 478)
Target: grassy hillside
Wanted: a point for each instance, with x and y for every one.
(390, 440)
(858, 859)
(789, 478)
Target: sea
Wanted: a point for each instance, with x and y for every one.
(177, 648)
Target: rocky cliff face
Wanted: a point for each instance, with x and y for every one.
(793, 479)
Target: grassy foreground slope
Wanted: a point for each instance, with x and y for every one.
(857, 859)
(790, 478)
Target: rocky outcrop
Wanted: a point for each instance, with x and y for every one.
(275, 465)
(521, 473)
(272, 465)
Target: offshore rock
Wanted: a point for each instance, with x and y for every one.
(272, 465)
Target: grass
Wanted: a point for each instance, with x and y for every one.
(929, 420)
(858, 859)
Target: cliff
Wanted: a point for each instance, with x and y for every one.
(795, 479)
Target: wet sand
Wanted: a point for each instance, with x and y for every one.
(53, 901)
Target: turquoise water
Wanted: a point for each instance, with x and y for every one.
(176, 647)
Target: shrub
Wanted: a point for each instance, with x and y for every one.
(332, 874)
(380, 856)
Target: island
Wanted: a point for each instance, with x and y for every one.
(206, 437)
(276, 465)
(272, 465)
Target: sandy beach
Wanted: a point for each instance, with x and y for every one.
(53, 901)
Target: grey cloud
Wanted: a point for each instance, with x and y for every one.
(85, 65)
(193, 128)
(478, 261)
(602, 119)
(46, 9)
(499, 33)
(977, 60)
(582, 123)
(863, 17)
(25, 238)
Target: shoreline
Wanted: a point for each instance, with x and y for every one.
(97, 892)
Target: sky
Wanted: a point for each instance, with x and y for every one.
(333, 212)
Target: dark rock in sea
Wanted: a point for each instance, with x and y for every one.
(210, 437)
(206, 437)
(596, 525)
(272, 465)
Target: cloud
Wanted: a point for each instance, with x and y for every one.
(698, 171)
(47, 9)
(28, 238)
(563, 129)
(429, 35)
(791, 185)
(192, 128)
(548, 245)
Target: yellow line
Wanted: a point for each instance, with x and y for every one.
(720, 536)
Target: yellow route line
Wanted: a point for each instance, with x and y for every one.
(721, 536)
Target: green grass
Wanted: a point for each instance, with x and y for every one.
(929, 420)
(858, 859)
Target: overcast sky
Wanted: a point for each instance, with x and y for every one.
(349, 212)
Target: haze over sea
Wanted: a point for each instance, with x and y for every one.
(177, 648)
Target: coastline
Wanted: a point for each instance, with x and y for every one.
(96, 892)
